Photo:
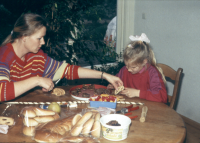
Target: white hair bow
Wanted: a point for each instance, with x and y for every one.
(143, 38)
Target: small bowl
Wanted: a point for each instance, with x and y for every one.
(115, 133)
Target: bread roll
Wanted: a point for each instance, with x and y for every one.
(56, 116)
(68, 121)
(94, 112)
(53, 131)
(28, 112)
(43, 112)
(87, 127)
(84, 119)
(76, 130)
(30, 122)
(93, 115)
(29, 131)
(96, 129)
(56, 128)
(66, 127)
(46, 136)
(44, 119)
(97, 117)
(69, 124)
(76, 118)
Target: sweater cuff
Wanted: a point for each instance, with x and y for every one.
(72, 72)
(7, 91)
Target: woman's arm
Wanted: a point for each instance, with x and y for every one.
(88, 73)
(21, 87)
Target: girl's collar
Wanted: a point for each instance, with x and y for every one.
(144, 68)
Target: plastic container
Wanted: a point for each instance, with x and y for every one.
(103, 104)
(115, 133)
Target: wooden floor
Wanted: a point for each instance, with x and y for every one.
(193, 131)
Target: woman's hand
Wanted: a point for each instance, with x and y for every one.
(46, 83)
(114, 80)
(110, 86)
(130, 92)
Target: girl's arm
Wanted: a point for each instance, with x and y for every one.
(130, 92)
(157, 91)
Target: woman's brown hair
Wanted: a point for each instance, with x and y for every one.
(26, 25)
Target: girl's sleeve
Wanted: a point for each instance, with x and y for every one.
(157, 91)
(6, 86)
(58, 70)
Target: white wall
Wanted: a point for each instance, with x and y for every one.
(174, 30)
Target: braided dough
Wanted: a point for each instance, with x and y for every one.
(119, 89)
(58, 91)
(6, 121)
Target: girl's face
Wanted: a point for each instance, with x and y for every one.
(135, 68)
(35, 41)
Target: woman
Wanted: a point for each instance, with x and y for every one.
(23, 65)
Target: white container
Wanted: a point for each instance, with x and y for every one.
(115, 133)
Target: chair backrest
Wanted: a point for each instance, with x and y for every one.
(174, 76)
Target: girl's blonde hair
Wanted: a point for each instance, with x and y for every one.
(137, 51)
(26, 25)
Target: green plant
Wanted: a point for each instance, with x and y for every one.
(69, 38)
(75, 27)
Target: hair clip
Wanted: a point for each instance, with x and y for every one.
(130, 46)
(11, 32)
(142, 38)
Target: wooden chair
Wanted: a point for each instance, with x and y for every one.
(175, 78)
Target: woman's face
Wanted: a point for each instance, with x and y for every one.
(35, 41)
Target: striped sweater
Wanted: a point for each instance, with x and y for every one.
(13, 69)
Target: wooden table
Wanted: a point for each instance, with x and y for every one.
(163, 124)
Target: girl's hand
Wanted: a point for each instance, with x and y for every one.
(46, 83)
(114, 80)
(130, 92)
(110, 86)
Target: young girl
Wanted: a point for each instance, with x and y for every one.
(141, 77)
